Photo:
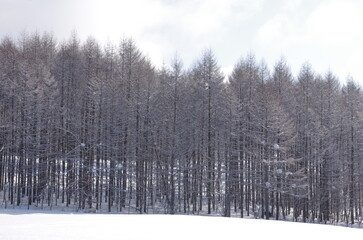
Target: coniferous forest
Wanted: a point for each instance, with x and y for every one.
(99, 127)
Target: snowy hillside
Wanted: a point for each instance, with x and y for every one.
(18, 224)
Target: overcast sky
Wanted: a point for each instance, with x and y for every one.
(327, 33)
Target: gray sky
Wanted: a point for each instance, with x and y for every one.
(327, 33)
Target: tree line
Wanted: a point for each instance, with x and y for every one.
(87, 126)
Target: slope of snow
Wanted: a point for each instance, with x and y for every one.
(19, 224)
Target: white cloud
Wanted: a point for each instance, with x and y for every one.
(328, 34)
(290, 5)
(334, 29)
(227, 70)
(273, 30)
(114, 18)
(335, 23)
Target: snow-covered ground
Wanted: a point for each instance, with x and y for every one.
(28, 224)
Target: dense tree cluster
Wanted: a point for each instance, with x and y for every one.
(93, 127)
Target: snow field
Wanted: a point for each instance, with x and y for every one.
(20, 224)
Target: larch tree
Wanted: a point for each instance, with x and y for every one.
(99, 128)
